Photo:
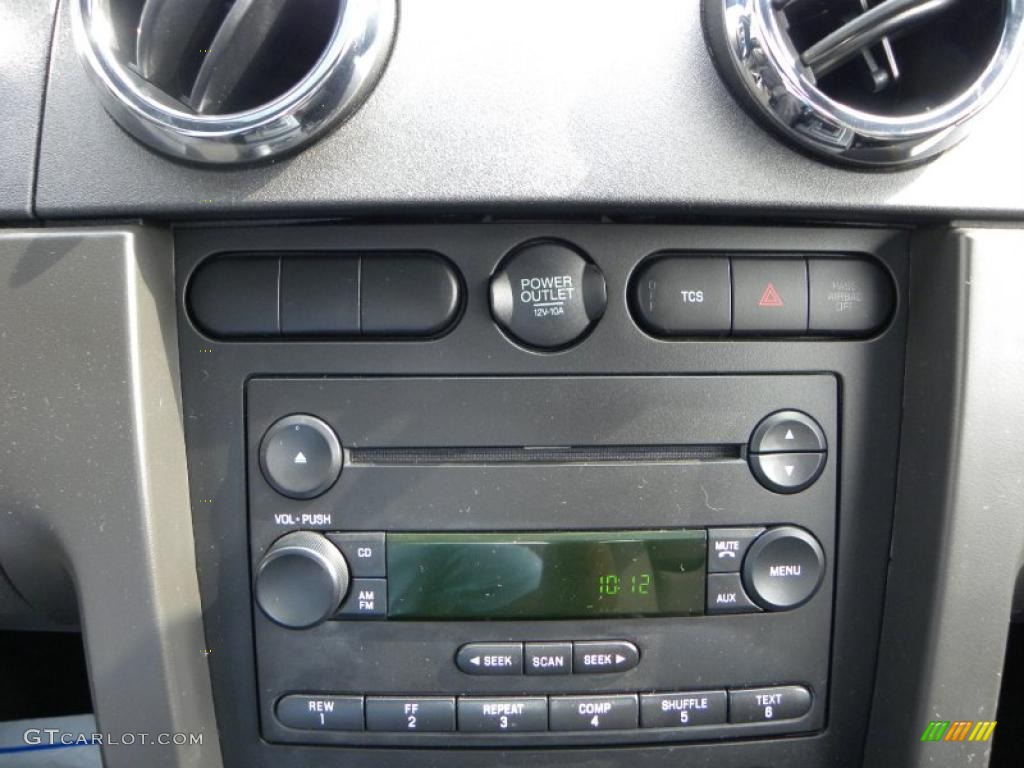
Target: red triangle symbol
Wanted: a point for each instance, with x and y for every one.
(770, 297)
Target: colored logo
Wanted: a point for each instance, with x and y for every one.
(958, 730)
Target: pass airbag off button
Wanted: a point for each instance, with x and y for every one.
(547, 295)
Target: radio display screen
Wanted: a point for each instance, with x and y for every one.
(563, 575)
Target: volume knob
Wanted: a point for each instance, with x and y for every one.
(301, 580)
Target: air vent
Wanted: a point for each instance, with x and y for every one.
(232, 81)
(879, 83)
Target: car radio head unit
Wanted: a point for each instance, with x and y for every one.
(651, 564)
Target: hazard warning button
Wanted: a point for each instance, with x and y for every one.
(769, 296)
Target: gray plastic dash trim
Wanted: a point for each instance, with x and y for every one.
(93, 485)
(958, 535)
(25, 30)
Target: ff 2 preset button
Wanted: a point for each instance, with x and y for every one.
(490, 658)
(547, 295)
(393, 713)
(593, 713)
(765, 705)
(683, 296)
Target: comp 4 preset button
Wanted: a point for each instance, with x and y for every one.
(593, 713)
(490, 658)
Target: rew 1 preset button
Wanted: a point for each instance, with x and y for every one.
(503, 715)
(679, 710)
(593, 713)
(490, 658)
(763, 705)
(393, 713)
(321, 713)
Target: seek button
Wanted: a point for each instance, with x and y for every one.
(490, 658)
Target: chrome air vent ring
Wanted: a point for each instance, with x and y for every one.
(210, 128)
(789, 82)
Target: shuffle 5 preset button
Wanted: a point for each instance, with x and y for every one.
(678, 710)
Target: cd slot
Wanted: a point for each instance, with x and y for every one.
(526, 455)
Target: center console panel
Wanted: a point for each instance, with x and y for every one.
(458, 528)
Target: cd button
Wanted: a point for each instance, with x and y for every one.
(490, 658)
(604, 656)
(726, 595)
(503, 715)
(548, 658)
(593, 713)
(763, 705)
(389, 713)
(363, 551)
(677, 710)
(321, 713)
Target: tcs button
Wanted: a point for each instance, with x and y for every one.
(547, 295)
(683, 296)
